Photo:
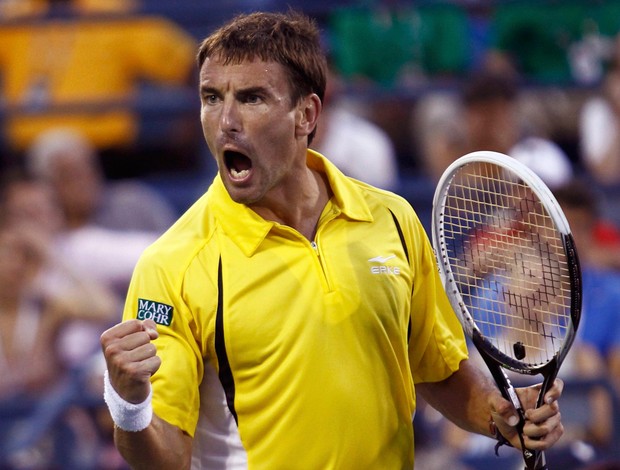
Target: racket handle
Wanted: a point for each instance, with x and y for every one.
(544, 467)
(533, 460)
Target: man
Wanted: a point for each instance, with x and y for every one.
(487, 116)
(283, 320)
(71, 164)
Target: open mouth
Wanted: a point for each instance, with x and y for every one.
(238, 164)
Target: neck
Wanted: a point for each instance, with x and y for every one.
(301, 207)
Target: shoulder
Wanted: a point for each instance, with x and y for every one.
(401, 211)
(179, 247)
(381, 198)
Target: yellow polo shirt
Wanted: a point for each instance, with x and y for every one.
(314, 336)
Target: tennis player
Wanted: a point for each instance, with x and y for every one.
(289, 318)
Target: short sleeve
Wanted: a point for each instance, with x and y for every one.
(156, 293)
(437, 342)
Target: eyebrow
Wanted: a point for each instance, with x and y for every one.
(252, 90)
(206, 89)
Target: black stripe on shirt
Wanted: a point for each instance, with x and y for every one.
(225, 373)
(402, 241)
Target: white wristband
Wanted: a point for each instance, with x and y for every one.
(127, 416)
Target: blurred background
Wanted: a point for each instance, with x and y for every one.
(101, 150)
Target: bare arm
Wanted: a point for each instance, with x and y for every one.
(132, 359)
(159, 446)
(472, 401)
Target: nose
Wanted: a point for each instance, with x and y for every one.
(230, 119)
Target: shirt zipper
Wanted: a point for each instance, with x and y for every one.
(317, 252)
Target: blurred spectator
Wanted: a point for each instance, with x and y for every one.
(599, 128)
(80, 64)
(69, 162)
(30, 204)
(492, 122)
(598, 239)
(31, 317)
(106, 225)
(438, 131)
(487, 117)
(50, 321)
(26, 199)
(25, 332)
(357, 146)
(601, 286)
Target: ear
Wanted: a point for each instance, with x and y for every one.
(308, 112)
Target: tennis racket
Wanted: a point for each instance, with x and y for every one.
(510, 269)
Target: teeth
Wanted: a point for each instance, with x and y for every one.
(239, 174)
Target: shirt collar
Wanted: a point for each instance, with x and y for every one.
(247, 229)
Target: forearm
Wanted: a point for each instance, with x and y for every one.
(159, 446)
(463, 398)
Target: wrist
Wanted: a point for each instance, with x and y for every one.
(132, 417)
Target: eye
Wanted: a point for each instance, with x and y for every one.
(210, 98)
(253, 99)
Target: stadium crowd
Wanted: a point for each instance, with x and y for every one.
(101, 150)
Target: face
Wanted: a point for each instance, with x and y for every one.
(492, 125)
(257, 135)
(20, 259)
(32, 202)
(77, 184)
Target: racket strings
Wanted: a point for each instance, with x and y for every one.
(509, 261)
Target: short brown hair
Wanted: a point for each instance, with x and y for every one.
(485, 86)
(290, 39)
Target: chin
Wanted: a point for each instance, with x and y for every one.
(241, 195)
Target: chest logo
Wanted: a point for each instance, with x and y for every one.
(156, 311)
(381, 259)
(381, 267)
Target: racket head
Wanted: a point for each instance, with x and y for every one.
(507, 260)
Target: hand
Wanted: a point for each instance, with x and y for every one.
(543, 426)
(131, 358)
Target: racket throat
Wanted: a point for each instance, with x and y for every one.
(499, 375)
(534, 460)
